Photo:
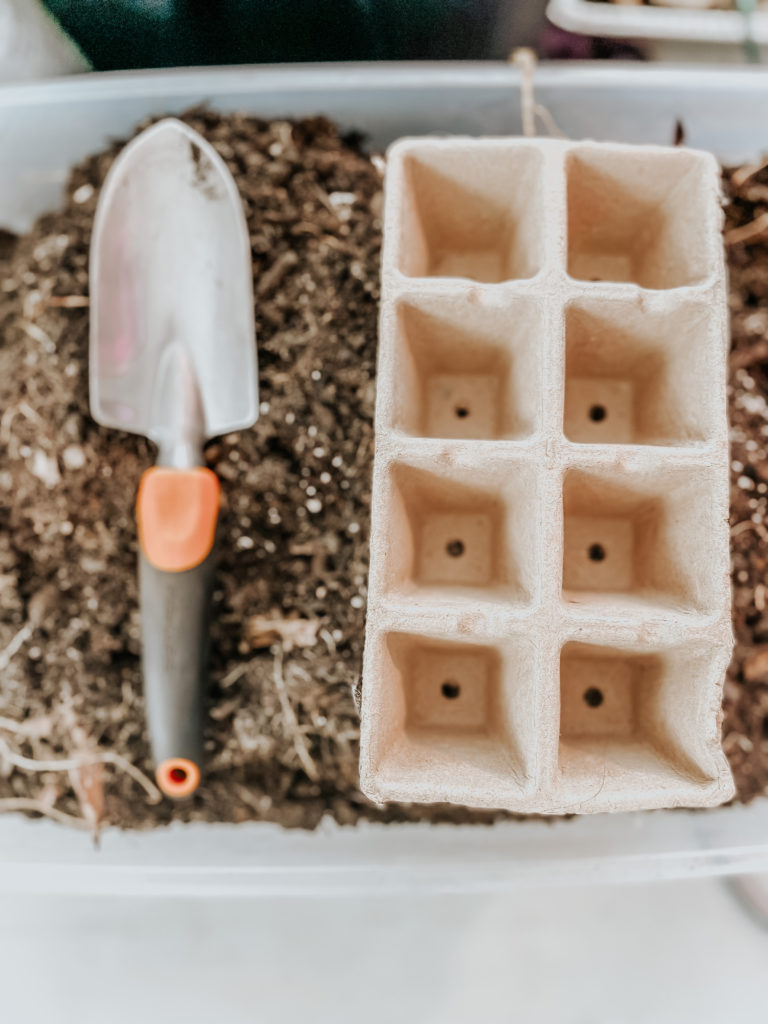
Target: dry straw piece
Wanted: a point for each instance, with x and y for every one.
(549, 600)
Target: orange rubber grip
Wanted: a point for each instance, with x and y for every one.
(177, 510)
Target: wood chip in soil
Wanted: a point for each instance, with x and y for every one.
(289, 606)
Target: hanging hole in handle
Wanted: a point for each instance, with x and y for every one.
(177, 777)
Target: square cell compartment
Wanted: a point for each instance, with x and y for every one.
(465, 369)
(471, 211)
(635, 722)
(459, 719)
(636, 375)
(639, 537)
(463, 532)
(637, 216)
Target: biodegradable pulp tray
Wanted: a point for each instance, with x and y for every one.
(549, 616)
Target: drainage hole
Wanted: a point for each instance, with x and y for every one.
(462, 412)
(596, 552)
(597, 413)
(178, 775)
(593, 697)
(450, 690)
(455, 548)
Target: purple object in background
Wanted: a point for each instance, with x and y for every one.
(557, 44)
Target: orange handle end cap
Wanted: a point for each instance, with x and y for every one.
(177, 511)
(177, 777)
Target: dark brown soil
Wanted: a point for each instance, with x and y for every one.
(282, 736)
(745, 729)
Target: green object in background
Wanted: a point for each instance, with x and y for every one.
(173, 33)
(751, 49)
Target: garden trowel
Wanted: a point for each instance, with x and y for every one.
(173, 356)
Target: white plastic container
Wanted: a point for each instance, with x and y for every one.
(673, 33)
(47, 126)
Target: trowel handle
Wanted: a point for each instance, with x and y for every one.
(177, 512)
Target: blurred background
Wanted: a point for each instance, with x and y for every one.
(58, 36)
(69, 35)
(672, 953)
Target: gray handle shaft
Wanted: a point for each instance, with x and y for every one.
(175, 621)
